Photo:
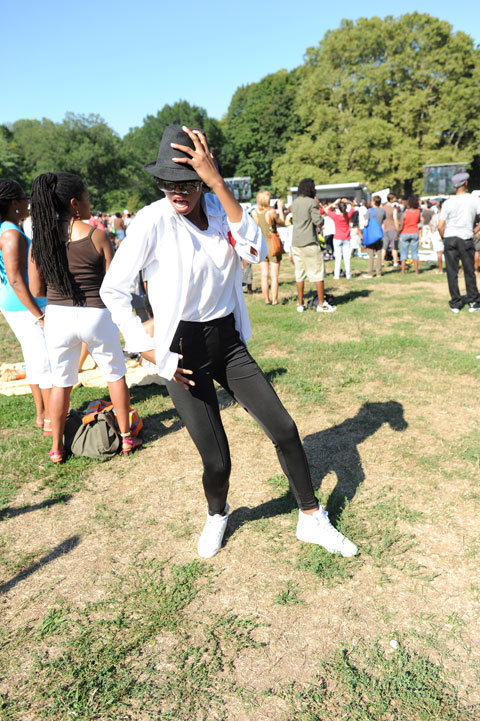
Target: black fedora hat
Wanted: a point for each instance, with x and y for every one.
(164, 167)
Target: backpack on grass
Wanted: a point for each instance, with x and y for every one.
(97, 439)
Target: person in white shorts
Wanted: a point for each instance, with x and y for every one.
(68, 259)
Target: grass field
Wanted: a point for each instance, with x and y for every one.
(108, 614)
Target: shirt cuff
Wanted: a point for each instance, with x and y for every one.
(167, 365)
(243, 229)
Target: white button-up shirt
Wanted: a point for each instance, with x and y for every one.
(191, 274)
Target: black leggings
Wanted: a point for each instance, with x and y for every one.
(214, 351)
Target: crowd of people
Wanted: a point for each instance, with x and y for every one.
(70, 281)
(314, 231)
(113, 225)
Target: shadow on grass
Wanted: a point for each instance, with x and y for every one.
(138, 394)
(352, 295)
(276, 507)
(65, 547)
(336, 449)
(154, 423)
(14, 512)
(274, 373)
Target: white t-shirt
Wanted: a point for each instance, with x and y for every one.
(328, 226)
(459, 213)
(211, 290)
(362, 214)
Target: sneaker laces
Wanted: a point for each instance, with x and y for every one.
(324, 522)
(214, 525)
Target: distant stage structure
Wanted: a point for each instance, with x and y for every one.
(352, 191)
(438, 178)
(240, 187)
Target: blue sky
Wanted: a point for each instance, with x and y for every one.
(123, 60)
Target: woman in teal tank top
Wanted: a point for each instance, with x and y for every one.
(21, 310)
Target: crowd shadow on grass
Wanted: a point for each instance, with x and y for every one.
(65, 547)
(9, 512)
(336, 449)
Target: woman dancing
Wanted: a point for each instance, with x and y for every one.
(23, 313)
(190, 246)
(69, 258)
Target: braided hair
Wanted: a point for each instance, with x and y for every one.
(51, 195)
(9, 190)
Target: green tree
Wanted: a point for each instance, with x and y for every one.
(141, 144)
(379, 98)
(80, 144)
(10, 160)
(259, 123)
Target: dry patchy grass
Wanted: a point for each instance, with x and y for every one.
(106, 581)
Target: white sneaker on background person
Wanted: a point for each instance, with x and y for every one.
(300, 308)
(316, 528)
(326, 307)
(211, 538)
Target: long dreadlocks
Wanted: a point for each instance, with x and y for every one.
(51, 195)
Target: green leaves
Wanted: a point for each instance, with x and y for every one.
(380, 98)
(374, 101)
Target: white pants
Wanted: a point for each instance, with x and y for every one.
(437, 242)
(342, 248)
(66, 327)
(32, 341)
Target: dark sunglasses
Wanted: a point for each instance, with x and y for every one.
(184, 188)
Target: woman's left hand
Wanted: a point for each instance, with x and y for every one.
(201, 159)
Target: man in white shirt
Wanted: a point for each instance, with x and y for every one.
(455, 225)
(362, 214)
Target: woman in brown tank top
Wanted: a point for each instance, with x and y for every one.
(69, 260)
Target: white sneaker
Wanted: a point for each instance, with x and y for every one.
(455, 310)
(316, 528)
(211, 538)
(326, 307)
(300, 308)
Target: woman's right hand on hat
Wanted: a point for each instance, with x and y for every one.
(201, 159)
(181, 376)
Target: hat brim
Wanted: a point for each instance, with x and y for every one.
(180, 172)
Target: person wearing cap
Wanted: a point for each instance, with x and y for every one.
(455, 225)
(190, 247)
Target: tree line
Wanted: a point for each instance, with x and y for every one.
(375, 101)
